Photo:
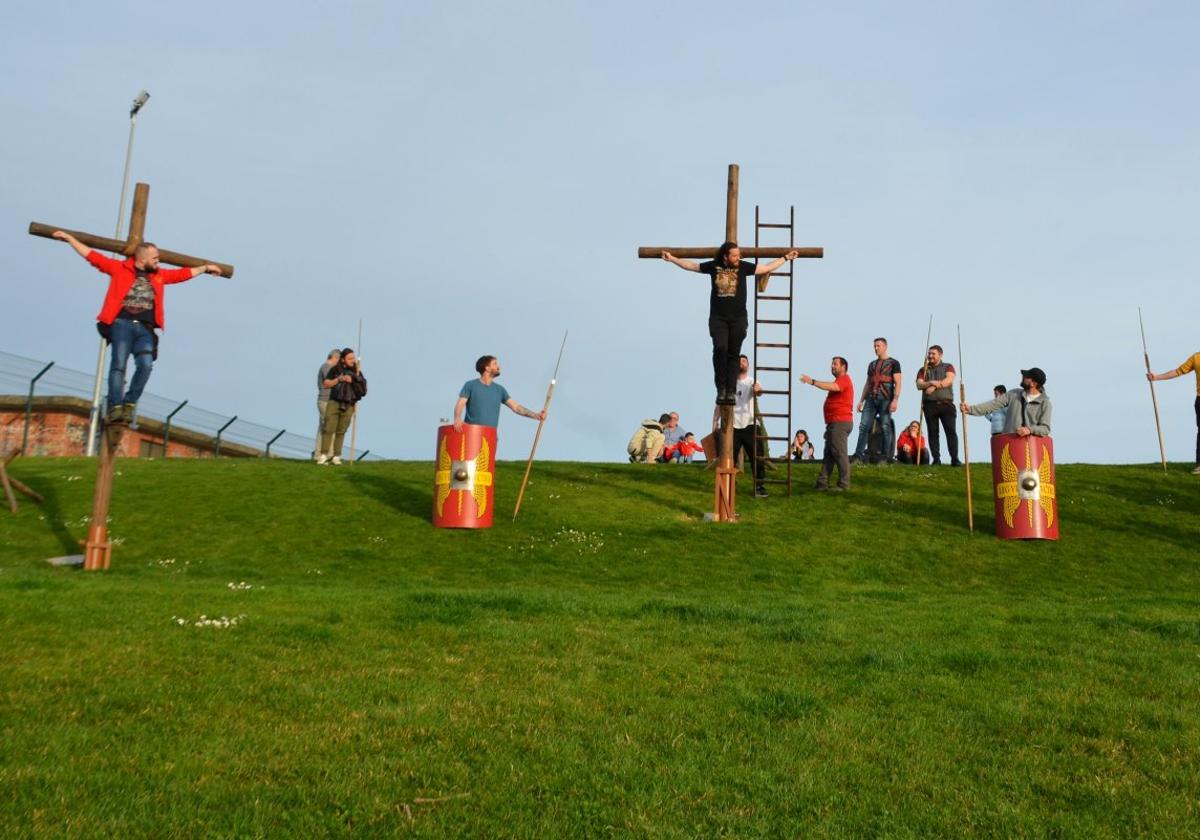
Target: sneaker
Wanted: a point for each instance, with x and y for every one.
(857, 460)
(116, 414)
(1197, 470)
(760, 492)
(322, 459)
(824, 488)
(336, 460)
(838, 489)
(936, 462)
(956, 463)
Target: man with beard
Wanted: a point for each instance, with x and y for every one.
(839, 417)
(1027, 409)
(727, 319)
(480, 399)
(936, 382)
(132, 311)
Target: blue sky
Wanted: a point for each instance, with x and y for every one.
(475, 178)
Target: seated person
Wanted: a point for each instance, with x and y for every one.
(672, 435)
(688, 447)
(802, 448)
(911, 445)
(646, 445)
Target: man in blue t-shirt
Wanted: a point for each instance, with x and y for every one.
(481, 398)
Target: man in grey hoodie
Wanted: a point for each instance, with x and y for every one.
(1027, 409)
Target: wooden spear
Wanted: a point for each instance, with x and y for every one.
(1162, 450)
(920, 393)
(538, 435)
(357, 366)
(962, 398)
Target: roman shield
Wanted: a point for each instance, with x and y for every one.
(463, 478)
(1024, 486)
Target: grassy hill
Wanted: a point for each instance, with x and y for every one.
(830, 666)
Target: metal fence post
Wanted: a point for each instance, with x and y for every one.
(267, 454)
(29, 406)
(217, 450)
(167, 428)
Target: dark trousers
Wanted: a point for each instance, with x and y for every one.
(727, 337)
(943, 411)
(744, 439)
(906, 458)
(837, 435)
(1198, 430)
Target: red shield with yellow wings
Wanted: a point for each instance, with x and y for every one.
(1024, 485)
(463, 480)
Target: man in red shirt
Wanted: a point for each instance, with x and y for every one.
(839, 418)
(132, 310)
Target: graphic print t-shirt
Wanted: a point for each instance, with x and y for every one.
(139, 301)
(728, 296)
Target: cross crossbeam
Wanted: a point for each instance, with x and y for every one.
(137, 227)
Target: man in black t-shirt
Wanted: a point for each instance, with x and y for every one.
(880, 394)
(727, 319)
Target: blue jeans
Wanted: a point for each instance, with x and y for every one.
(876, 407)
(129, 338)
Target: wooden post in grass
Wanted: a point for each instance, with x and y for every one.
(97, 548)
(724, 507)
(920, 398)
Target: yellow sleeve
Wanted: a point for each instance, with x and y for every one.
(1189, 365)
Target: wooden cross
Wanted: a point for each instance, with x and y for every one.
(137, 229)
(724, 507)
(97, 547)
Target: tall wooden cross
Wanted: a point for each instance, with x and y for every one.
(724, 504)
(97, 546)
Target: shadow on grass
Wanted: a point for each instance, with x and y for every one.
(398, 495)
(52, 510)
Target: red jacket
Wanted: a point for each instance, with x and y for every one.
(121, 278)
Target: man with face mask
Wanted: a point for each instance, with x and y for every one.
(132, 310)
(1027, 409)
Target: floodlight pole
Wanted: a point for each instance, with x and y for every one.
(94, 419)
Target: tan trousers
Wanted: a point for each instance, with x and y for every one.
(333, 431)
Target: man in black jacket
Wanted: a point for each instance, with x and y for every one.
(346, 386)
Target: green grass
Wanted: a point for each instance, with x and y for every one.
(838, 666)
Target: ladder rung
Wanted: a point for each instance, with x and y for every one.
(771, 414)
(771, 344)
(772, 321)
(774, 437)
(765, 225)
(771, 391)
(774, 297)
(769, 367)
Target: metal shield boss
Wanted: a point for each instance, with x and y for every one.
(463, 481)
(1024, 486)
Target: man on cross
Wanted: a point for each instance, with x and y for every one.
(727, 318)
(132, 310)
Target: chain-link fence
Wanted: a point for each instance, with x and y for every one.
(17, 375)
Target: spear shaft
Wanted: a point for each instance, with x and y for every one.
(962, 398)
(1162, 450)
(921, 399)
(538, 435)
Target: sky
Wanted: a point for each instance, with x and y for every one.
(475, 178)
